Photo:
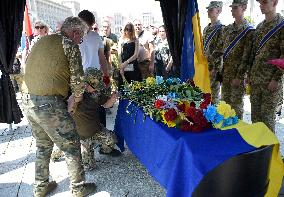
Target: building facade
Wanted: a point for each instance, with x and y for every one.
(48, 11)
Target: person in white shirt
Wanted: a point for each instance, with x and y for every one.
(92, 47)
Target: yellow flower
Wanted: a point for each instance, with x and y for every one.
(224, 109)
(232, 113)
(219, 125)
(168, 123)
(150, 81)
(136, 86)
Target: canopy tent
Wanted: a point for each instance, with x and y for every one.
(183, 31)
(11, 25)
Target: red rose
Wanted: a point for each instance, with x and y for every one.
(204, 104)
(181, 107)
(190, 112)
(159, 103)
(192, 104)
(185, 125)
(170, 115)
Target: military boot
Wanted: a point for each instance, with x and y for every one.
(87, 188)
(46, 190)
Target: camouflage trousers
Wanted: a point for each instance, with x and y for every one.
(51, 123)
(264, 104)
(234, 97)
(215, 90)
(105, 138)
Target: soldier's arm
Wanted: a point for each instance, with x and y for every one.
(73, 55)
(279, 73)
(246, 56)
(218, 62)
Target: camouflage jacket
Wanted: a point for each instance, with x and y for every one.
(213, 63)
(261, 72)
(72, 52)
(236, 65)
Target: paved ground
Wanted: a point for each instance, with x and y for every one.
(116, 177)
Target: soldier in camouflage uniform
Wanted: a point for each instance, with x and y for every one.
(211, 34)
(87, 120)
(236, 56)
(53, 66)
(265, 79)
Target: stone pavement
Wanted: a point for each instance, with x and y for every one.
(116, 177)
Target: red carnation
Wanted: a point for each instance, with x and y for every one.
(206, 101)
(190, 112)
(192, 104)
(206, 96)
(170, 115)
(181, 107)
(159, 103)
(106, 80)
(185, 125)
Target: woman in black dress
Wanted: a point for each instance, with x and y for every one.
(128, 52)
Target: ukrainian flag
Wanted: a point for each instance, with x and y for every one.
(194, 64)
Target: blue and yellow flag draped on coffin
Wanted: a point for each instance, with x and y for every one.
(194, 64)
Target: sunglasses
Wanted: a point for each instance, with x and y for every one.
(39, 27)
(137, 25)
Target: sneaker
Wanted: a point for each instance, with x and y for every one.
(113, 153)
(50, 188)
(88, 188)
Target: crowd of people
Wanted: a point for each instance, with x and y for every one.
(72, 77)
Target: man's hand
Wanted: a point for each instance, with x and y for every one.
(236, 82)
(272, 86)
(122, 67)
(151, 67)
(73, 102)
(110, 102)
(213, 73)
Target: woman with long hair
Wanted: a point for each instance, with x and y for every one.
(128, 53)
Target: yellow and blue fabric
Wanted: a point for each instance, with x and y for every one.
(262, 136)
(194, 64)
(179, 160)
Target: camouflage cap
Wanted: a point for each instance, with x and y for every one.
(94, 78)
(215, 4)
(74, 23)
(239, 2)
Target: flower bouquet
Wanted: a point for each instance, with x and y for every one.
(221, 115)
(277, 62)
(176, 104)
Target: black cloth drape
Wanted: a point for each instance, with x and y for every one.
(174, 16)
(11, 25)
